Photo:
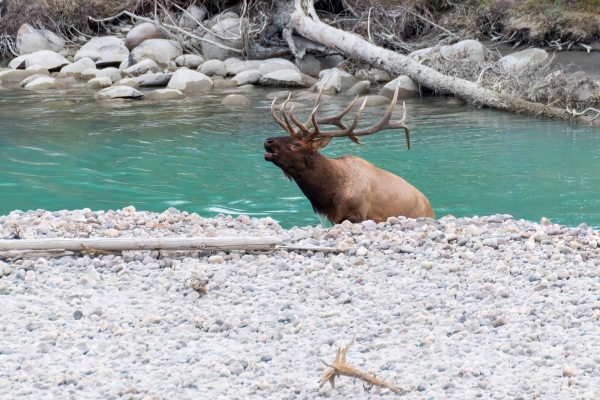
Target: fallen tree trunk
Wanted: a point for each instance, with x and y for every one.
(304, 21)
(146, 244)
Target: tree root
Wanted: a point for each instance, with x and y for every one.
(340, 368)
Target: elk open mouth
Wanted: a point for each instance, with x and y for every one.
(270, 153)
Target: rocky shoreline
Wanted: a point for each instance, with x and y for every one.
(487, 307)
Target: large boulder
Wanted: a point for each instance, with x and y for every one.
(276, 64)
(226, 33)
(44, 83)
(18, 75)
(213, 68)
(165, 94)
(408, 88)
(141, 68)
(160, 51)
(143, 32)
(153, 79)
(30, 40)
(191, 61)
(282, 78)
(118, 92)
(236, 100)
(235, 68)
(102, 47)
(187, 80)
(309, 65)
(194, 15)
(47, 59)
(525, 58)
(251, 77)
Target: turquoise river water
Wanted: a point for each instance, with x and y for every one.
(67, 151)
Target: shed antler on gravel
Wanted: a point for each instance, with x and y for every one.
(340, 368)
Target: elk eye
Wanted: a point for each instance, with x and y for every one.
(296, 145)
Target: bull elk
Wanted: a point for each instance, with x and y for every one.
(348, 187)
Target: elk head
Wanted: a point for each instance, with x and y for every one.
(295, 152)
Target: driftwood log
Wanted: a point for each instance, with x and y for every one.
(146, 244)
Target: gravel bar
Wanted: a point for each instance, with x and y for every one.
(456, 308)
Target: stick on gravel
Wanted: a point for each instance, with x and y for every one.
(340, 368)
(124, 244)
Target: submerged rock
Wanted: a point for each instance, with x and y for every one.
(360, 88)
(236, 100)
(98, 83)
(118, 92)
(165, 94)
(18, 75)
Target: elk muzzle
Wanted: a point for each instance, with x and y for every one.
(270, 151)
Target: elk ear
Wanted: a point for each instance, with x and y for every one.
(321, 143)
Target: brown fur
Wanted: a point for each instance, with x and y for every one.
(345, 188)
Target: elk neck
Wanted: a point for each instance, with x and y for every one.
(319, 179)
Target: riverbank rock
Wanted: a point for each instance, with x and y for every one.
(468, 50)
(142, 32)
(225, 33)
(47, 59)
(160, 51)
(309, 65)
(331, 82)
(347, 80)
(332, 61)
(153, 79)
(31, 40)
(44, 83)
(118, 92)
(236, 100)
(18, 75)
(127, 82)
(187, 80)
(192, 61)
(282, 78)
(235, 68)
(102, 47)
(193, 16)
(165, 94)
(529, 58)
(408, 88)
(141, 68)
(18, 62)
(32, 78)
(113, 73)
(251, 77)
(213, 68)
(98, 83)
(276, 64)
(360, 88)
(77, 68)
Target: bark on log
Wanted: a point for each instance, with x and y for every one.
(146, 244)
(14, 255)
(305, 22)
